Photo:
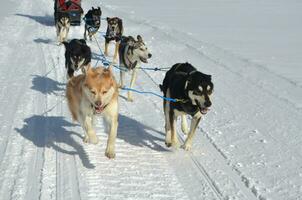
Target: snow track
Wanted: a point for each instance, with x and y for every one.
(42, 155)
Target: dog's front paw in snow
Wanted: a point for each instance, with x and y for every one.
(92, 140)
(109, 153)
(175, 144)
(187, 146)
(130, 99)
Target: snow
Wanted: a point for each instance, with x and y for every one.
(247, 147)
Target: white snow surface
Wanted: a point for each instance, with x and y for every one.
(247, 147)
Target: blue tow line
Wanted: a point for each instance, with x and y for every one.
(143, 92)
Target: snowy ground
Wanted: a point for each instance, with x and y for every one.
(247, 147)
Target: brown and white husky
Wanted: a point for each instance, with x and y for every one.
(93, 93)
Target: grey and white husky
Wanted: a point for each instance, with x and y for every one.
(62, 26)
(131, 53)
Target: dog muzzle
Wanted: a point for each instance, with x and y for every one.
(202, 109)
(98, 109)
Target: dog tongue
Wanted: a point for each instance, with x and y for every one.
(98, 109)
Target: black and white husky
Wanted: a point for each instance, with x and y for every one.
(131, 53)
(62, 25)
(92, 22)
(193, 90)
(77, 56)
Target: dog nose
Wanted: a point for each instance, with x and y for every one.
(207, 103)
(149, 55)
(98, 103)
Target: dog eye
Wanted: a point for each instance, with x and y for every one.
(92, 92)
(104, 92)
(142, 49)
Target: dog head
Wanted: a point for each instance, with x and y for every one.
(199, 88)
(139, 49)
(78, 51)
(114, 26)
(96, 15)
(99, 87)
(64, 19)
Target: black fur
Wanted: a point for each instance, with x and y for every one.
(76, 49)
(92, 21)
(175, 81)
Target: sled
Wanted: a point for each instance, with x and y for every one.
(72, 7)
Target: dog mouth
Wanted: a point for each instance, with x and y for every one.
(98, 109)
(202, 109)
(144, 60)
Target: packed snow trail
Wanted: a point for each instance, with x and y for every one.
(235, 154)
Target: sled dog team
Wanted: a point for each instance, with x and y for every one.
(95, 91)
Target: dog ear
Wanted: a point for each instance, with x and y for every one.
(107, 18)
(65, 44)
(92, 8)
(109, 68)
(82, 41)
(131, 41)
(99, 8)
(139, 38)
(89, 70)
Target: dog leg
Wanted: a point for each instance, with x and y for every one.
(184, 124)
(194, 123)
(90, 37)
(122, 77)
(112, 120)
(116, 52)
(106, 48)
(174, 139)
(167, 124)
(133, 79)
(87, 124)
(85, 37)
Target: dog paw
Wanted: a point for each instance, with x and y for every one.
(92, 140)
(86, 139)
(175, 145)
(187, 147)
(110, 154)
(130, 99)
(168, 144)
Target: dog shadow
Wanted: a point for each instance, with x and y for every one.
(138, 134)
(50, 131)
(43, 41)
(46, 20)
(46, 85)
